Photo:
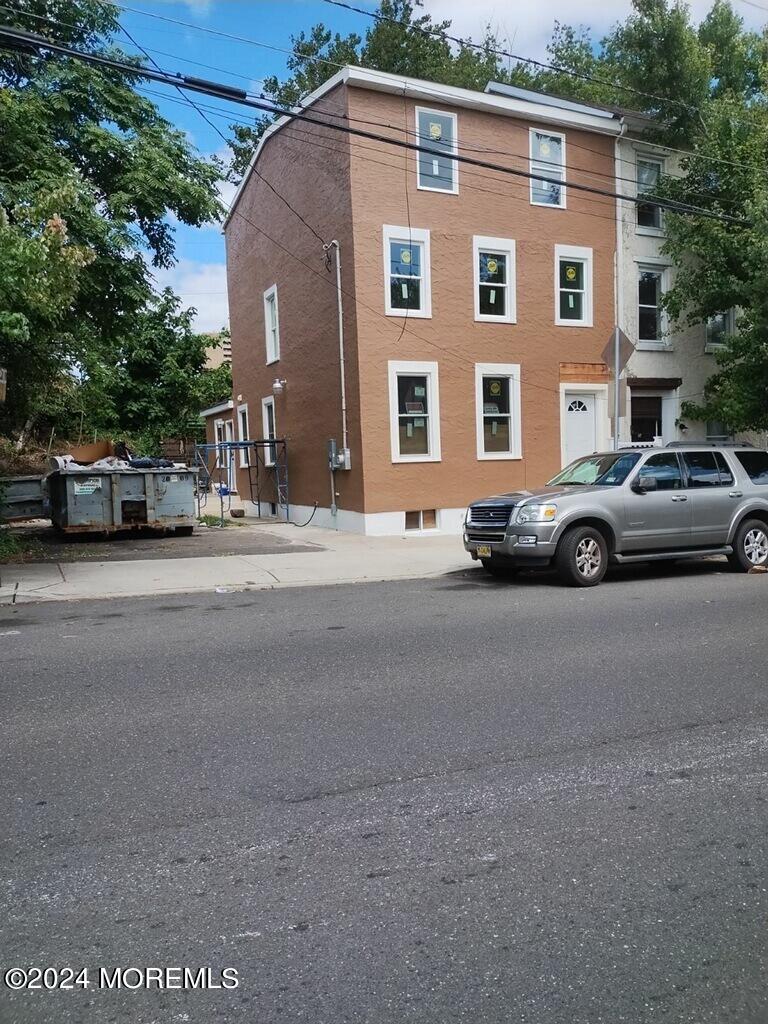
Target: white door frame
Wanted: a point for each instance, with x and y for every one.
(670, 410)
(602, 423)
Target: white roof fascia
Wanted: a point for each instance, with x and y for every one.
(600, 122)
(221, 407)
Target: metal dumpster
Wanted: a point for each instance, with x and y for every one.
(86, 499)
(22, 497)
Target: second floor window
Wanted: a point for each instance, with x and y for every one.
(547, 159)
(719, 327)
(271, 324)
(494, 279)
(648, 173)
(649, 293)
(406, 260)
(437, 170)
(573, 286)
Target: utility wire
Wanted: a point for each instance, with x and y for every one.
(469, 44)
(15, 39)
(336, 64)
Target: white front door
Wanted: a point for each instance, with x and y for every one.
(580, 425)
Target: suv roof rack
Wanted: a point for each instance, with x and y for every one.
(709, 444)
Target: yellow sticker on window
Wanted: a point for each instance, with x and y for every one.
(570, 273)
(545, 149)
(405, 255)
(493, 266)
(435, 130)
(495, 388)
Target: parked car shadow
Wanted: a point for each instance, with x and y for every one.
(474, 577)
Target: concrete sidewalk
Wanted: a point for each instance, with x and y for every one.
(338, 558)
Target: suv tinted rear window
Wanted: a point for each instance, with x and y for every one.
(756, 465)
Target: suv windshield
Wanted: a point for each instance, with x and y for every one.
(605, 470)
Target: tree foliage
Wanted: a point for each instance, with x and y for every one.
(90, 173)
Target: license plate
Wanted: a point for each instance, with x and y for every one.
(484, 551)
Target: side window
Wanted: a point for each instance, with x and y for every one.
(702, 469)
(726, 476)
(437, 170)
(666, 469)
(756, 465)
(648, 214)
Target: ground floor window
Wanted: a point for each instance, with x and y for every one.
(414, 412)
(497, 404)
(268, 429)
(242, 425)
(646, 418)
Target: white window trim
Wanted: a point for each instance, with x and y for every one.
(395, 368)
(393, 233)
(602, 421)
(455, 164)
(269, 294)
(650, 159)
(532, 169)
(663, 344)
(265, 402)
(511, 371)
(505, 246)
(243, 451)
(575, 252)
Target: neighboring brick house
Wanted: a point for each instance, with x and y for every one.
(476, 304)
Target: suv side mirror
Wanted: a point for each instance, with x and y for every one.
(644, 484)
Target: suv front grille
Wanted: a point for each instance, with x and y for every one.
(490, 515)
(485, 536)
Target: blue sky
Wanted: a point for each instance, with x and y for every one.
(199, 276)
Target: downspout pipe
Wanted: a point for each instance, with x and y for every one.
(333, 244)
(618, 291)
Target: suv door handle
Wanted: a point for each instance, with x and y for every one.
(735, 494)
(679, 497)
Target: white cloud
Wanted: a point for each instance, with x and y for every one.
(525, 28)
(202, 285)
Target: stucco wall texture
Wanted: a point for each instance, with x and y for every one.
(348, 189)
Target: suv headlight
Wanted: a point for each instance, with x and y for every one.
(536, 514)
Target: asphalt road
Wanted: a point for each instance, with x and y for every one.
(435, 801)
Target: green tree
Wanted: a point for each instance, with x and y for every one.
(82, 145)
(405, 43)
(155, 383)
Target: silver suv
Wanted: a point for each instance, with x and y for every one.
(682, 501)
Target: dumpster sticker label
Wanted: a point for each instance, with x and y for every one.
(88, 486)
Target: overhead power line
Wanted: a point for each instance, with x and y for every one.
(17, 39)
(233, 37)
(483, 48)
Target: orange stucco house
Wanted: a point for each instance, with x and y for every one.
(474, 304)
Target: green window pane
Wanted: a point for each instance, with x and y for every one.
(572, 274)
(571, 306)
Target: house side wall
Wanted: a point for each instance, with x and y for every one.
(309, 166)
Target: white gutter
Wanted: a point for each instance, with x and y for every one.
(618, 279)
(335, 245)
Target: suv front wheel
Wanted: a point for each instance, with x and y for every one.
(582, 557)
(750, 546)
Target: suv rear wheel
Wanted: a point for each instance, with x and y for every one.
(582, 557)
(750, 545)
